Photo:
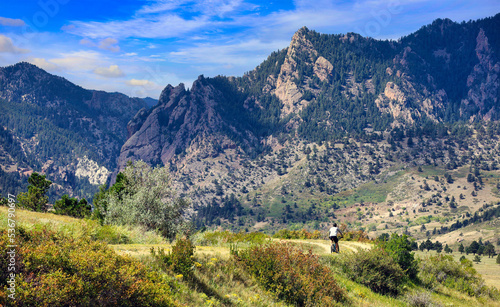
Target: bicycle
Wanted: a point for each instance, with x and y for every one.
(333, 248)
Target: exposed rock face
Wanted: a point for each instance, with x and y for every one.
(184, 122)
(96, 174)
(483, 82)
(322, 68)
(285, 86)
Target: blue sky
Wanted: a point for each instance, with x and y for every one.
(137, 47)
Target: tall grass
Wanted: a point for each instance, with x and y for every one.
(81, 228)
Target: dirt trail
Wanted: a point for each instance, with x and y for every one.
(325, 245)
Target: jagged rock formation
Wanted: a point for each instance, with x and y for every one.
(322, 89)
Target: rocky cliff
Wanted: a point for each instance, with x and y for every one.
(275, 133)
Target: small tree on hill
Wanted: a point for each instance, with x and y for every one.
(473, 247)
(447, 249)
(143, 196)
(72, 207)
(489, 250)
(477, 259)
(461, 248)
(399, 247)
(35, 199)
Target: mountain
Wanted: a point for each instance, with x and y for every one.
(50, 125)
(376, 133)
(298, 138)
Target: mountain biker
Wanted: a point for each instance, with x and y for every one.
(334, 232)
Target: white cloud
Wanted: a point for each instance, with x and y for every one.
(112, 71)
(81, 60)
(162, 6)
(143, 83)
(165, 26)
(7, 46)
(161, 20)
(44, 64)
(241, 53)
(87, 42)
(109, 44)
(11, 22)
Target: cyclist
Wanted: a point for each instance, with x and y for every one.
(334, 232)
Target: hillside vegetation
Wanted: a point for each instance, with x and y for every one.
(67, 264)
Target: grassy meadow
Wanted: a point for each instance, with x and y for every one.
(225, 269)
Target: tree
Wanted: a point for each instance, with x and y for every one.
(477, 259)
(144, 196)
(422, 246)
(438, 246)
(399, 247)
(72, 207)
(498, 259)
(461, 248)
(489, 250)
(428, 245)
(447, 249)
(474, 246)
(35, 199)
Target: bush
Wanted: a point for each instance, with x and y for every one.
(57, 270)
(72, 207)
(374, 268)
(419, 299)
(442, 269)
(180, 260)
(399, 247)
(292, 275)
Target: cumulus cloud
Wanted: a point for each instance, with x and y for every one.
(109, 44)
(81, 60)
(143, 83)
(11, 22)
(7, 46)
(44, 64)
(112, 71)
(87, 42)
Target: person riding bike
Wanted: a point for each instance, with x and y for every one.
(334, 232)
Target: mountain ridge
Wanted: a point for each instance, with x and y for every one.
(342, 90)
(64, 130)
(319, 119)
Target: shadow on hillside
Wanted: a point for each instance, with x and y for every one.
(196, 284)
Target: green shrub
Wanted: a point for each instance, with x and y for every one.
(72, 207)
(57, 270)
(180, 260)
(399, 247)
(442, 269)
(292, 275)
(110, 235)
(374, 268)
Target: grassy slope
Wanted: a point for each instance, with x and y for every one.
(217, 274)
